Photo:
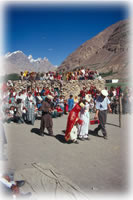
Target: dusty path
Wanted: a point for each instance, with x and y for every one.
(96, 166)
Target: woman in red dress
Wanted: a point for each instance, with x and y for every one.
(73, 119)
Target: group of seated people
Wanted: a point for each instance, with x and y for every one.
(83, 74)
(24, 106)
(32, 76)
(76, 74)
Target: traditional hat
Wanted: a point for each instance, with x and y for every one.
(104, 93)
(49, 97)
(87, 98)
(82, 105)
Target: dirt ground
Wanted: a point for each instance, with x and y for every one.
(97, 166)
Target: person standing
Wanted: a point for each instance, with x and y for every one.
(75, 100)
(70, 103)
(83, 129)
(61, 102)
(30, 108)
(46, 119)
(72, 121)
(102, 105)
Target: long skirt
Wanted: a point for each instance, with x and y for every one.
(84, 128)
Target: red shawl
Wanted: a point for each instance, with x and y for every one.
(72, 119)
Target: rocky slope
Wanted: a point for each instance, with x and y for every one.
(106, 52)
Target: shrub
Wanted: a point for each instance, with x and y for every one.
(12, 77)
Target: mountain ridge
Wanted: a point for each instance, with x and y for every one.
(17, 61)
(107, 51)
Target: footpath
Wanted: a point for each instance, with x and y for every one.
(97, 166)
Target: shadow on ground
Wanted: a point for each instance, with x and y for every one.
(112, 124)
(94, 133)
(61, 139)
(35, 130)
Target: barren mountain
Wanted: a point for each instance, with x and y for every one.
(107, 52)
(17, 61)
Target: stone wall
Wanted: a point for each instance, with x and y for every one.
(71, 87)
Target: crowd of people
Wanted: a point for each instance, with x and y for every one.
(77, 74)
(25, 105)
(28, 103)
(126, 97)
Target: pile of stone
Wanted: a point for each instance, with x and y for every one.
(71, 87)
(74, 87)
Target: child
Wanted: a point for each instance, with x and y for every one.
(10, 114)
(70, 103)
(59, 111)
(91, 106)
(75, 100)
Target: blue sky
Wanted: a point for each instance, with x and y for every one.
(55, 31)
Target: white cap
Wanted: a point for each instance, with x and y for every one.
(104, 93)
(49, 97)
(82, 105)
